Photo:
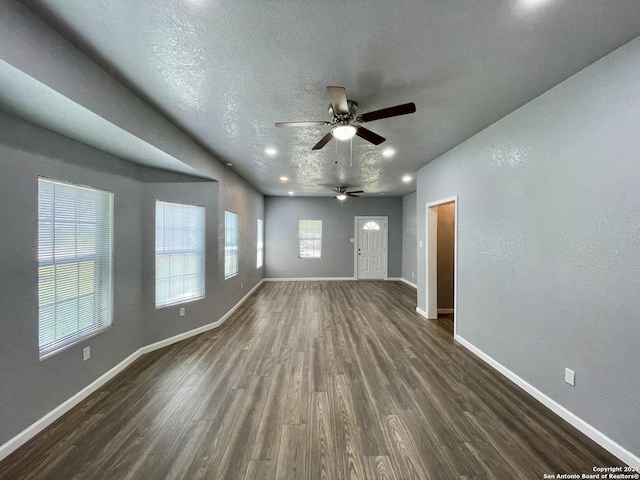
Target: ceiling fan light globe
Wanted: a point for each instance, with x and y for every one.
(343, 132)
(342, 196)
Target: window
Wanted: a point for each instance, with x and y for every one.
(371, 226)
(230, 244)
(75, 259)
(180, 253)
(260, 244)
(310, 237)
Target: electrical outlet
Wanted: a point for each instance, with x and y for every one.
(413, 274)
(241, 286)
(86, 353)
(570, 376)
(182, 311)
(420, 243)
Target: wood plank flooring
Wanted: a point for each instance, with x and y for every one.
(310, 380)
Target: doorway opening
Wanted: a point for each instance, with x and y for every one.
(370, 249)
(442, 260)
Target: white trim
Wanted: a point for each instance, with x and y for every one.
(422, 312)
(446, 310)
(35, 428)
(197, 331)
(594, 434)
(308, 279)
(431, 266)
(386, 244)
(411, 284)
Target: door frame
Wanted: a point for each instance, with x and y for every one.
(357, 236)
(431, 258)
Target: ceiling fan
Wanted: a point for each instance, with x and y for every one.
(346, 121)
(342, 193)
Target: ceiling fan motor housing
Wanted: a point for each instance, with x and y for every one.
(346, 118)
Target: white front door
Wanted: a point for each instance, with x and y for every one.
(371, 248)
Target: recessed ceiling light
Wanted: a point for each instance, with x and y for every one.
(290, 193)
(343, 132)
(229, 164)
(342, 196)
(270, 151)
(407, 178)
(532, 3)
(388, 152)
(284, 179)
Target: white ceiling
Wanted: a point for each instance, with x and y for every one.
(226, 71)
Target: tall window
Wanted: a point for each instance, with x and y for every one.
(75, 259)
(310, 238)
(260, 243)
(180, 253)
(230, 244)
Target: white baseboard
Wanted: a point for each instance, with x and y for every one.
(35, 428)
(331, 279)
(421, 312)
(197, 331)
(308, 279)
(596, 435)
(445, 310)
(411, 284)
(31, 431)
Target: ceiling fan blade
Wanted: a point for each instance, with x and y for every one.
(301, 124)
(388, 112)
(369, 136)
(323, 142)
(352, 195)
(338, 96)
(357, 191)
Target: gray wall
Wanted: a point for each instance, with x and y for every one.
(409, 246)
(548, 249)
(446, 240)
(31, 388)
(220, 294)
(281, 234)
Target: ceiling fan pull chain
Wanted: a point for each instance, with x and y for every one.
(336, 162)
(351, 151)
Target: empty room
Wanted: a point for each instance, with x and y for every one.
(319, 239)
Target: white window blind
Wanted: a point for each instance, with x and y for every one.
(260, 243)
(180, 253)
(310, 238)
(75, 258)
(230, 244)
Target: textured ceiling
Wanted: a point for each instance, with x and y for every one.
(226, 71)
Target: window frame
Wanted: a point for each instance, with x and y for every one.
(200, 262)
(301, 239)
(104, 265)
(227, 244)
(259, 243)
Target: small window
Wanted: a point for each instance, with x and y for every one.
(371, 226)
(75, 260)
(230, 244)
(180, 253)
(310, 238)
(260, 244)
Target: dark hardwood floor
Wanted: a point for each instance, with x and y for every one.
(310, 380)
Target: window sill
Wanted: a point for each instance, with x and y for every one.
(74, 342)
(179, 302)
(231, 276)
